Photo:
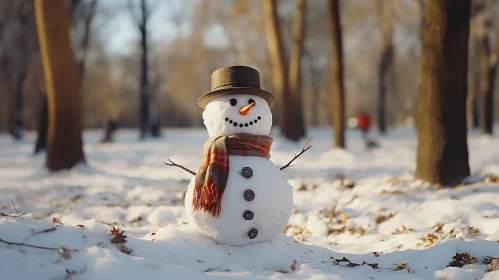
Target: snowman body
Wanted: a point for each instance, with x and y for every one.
(258, 200)
(260, 204)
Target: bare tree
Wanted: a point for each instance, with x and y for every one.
(286, 79)
(141, 21)
(41, 141)
(86, 13)
(337, 77)
(385, 66)
(20, 77)
(442, 155)
(484, 65)
(295, 67)
(473, 81)
(487, 75)
(64, 140)
(279, 66)
(14, 58)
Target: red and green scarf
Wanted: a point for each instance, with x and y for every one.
(213, 173)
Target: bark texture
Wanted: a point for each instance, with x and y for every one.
(286, 78)
(385, 66)
(295, 66)
(41, 141)
(64, 141)
(145, 92)
(337, 79)
(442, 155)
(487, 75)
(279, 67)
(85, 42)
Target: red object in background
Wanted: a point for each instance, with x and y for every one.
(363, 121)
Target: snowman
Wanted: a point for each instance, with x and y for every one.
(237, 195)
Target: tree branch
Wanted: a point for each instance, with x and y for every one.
(28, 245)
(136, 20)
(305, 148)
(151, 8)
(179, 166)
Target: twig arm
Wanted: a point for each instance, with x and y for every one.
(179, 166)
(305, 148)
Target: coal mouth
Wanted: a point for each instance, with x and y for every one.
(236, 124)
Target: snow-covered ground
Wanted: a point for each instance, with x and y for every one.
(358, 214)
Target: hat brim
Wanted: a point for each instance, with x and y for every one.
(207, 97)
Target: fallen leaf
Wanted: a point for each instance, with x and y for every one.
(64, 253)
(462, 259)
(492, 263)
(293, 266)
(403, 266)
(438, 227)
(430, 238)
(491, 179)
(381, 218)
(404, 229)
(119, 237)
(396, 192)
(57, 221)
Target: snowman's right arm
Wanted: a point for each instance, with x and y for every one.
(179, 166)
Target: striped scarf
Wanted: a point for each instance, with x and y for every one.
(213, 173)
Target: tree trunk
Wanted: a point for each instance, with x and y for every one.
(17, 131)
(85, 42)
(442, 155)
(41, 141)
(316, 96)
(295, 83)
(474, 82)
(279, 68)
(18, 114)
(487, 73)
(144, 79)
(64, 141)
(112, 125)
(385, 66)
(337, 80)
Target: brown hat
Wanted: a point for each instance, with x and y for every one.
(235, 80)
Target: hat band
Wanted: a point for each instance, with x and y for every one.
(235, 85)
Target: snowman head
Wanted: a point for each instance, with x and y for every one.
(236, 103)
(237, 113)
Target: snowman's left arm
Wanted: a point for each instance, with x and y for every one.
(305, 148)
(179, 166)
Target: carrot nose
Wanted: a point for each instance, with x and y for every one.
(245, 109)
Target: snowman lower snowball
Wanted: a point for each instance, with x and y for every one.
(238, 196)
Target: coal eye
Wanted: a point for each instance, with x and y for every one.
(233, 102)
(251, 101)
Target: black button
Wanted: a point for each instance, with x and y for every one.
(252, 233)
(247, 172)
(248, 215)
(249, 195)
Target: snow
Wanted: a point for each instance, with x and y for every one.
(360, 204)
